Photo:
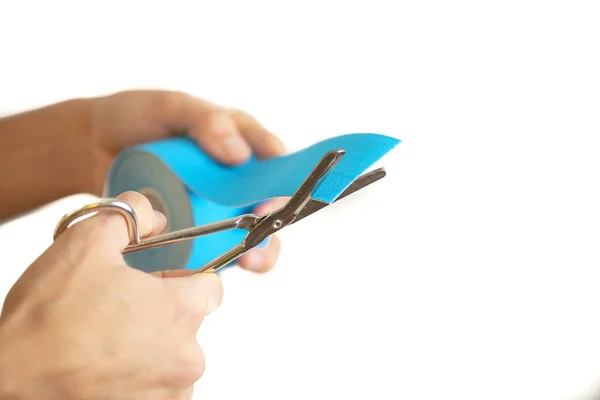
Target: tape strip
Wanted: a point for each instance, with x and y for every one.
(190, 188)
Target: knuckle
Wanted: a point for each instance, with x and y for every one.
(242, 119)
(93, 229)
(166, 103)
(82, 241)
(241, 115)
(195, 307)
(205, 295)
(189, 308)
(192, 365)
(198, 308)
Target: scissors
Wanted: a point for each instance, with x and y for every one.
(259, 227)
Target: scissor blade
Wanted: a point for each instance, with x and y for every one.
(303, 195)
(361, 182)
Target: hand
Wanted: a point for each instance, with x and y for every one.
(230, 136)
(80, 323)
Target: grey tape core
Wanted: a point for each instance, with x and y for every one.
(145, 173)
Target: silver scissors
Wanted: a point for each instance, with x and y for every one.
(259, 227)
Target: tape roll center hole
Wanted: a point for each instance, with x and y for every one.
(158, 204)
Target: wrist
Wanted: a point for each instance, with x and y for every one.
(45, 154)
(77, 154)
(11, 373)
(29, 370)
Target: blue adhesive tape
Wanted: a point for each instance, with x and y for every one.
(190, 188)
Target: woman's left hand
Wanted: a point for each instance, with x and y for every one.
(230, 136)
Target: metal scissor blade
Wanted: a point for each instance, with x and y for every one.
(361, 182)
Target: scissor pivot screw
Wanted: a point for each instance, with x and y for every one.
(277, 224)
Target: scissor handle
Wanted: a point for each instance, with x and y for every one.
(105, 204)
(246, 221)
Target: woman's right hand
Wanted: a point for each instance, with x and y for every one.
(81, 324)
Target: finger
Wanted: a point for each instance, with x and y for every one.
(211, 126)
(184, 395)
(263, 143)
(218, 135)
(149, 220)
(190, 367)
(271, 205)
(171, 273)
(200, 294)
(262, 260)
(158, 223)
(109, 229)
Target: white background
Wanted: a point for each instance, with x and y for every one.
(471, 271)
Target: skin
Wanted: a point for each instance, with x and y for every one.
(66, 148)
(80, 323)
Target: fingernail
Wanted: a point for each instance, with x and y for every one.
(278, 144)
(255, 260)
(159, 220)
(233, 145)
(236, 148)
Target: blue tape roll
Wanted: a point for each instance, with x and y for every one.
(191, 189)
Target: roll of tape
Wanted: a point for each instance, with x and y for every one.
(190, 188)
